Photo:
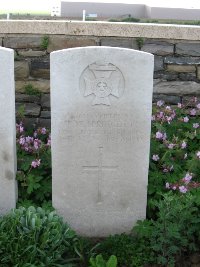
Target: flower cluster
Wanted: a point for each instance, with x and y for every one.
(29, 144)
(167, 114)
(175, 147)
(183, 185)
(34, 164)
(33, 143)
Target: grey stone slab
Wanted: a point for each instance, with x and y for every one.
(23, 42)
(29, 122)
(168, 76)
(8, 188)
(158, 48)
(119, 42)
(182, 60)
(30, 53)
(62, 42)
(44, 123)
(181, 68)
(187, 77)
(189, 101)
(101, 101)
(45, 101)
(198, 72)
(40, 68)
(35, 122)
(176, 87)
(188, 49)
(169, 99)
(30, 109)
(158, 63)
(41, 85)
(21, 69)
(27, 98)
(45, 114)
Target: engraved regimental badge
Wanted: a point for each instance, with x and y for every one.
(102, 80)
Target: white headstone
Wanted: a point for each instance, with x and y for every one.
(101, 100)
(8, 188)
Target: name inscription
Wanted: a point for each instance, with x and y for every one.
(116, 127)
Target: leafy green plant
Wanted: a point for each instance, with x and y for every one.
(175, 153)
(35, 237)
(176, 230)
(44, 42)
(140, 42)
(100, 262)
(130, 250)
(21, 112)
(127, 19)
(130, 19)
(29, 89)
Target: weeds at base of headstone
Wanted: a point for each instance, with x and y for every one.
(29, 89)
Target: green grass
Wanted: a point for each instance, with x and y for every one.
(171, 21)
(158, 21)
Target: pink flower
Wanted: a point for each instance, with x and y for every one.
(160, 103)
(171, 146)
(29, 139)
(36, 144)
(187, 178)
(164, 136)
(193, 112)
(167, 185)
(35, 163)
(195, 125)
(186, 119)
(155, 157)
(160, 115)
(35, 134)
(198, 105)
(182, 189)
(169, 119)
(174, 187)
(168, 108)
(198, 154)
(19, 127)
(43, 131)
(183, 145)
(22, 140)
(159, 135)
(195, 99)
(173, 115)
(49, 142)
(153, 118)
(179, 105)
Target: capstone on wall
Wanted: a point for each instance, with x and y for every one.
(176, 69)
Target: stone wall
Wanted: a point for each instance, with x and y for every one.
(177, 61)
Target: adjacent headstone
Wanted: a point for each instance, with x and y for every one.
(8, 189)
(101, 100)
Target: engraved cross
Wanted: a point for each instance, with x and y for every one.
(99, 169)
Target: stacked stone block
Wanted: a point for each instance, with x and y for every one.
(176, 67)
